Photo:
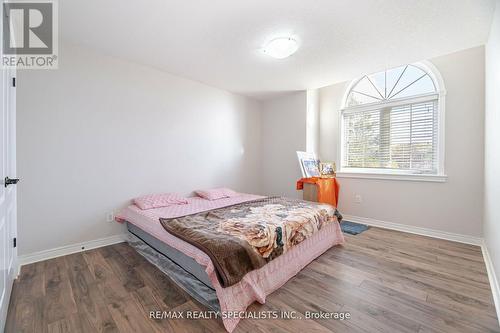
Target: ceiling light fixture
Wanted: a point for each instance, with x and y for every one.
(281, 47)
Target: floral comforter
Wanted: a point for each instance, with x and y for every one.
(245, 236)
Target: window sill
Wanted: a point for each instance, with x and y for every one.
(387, 176)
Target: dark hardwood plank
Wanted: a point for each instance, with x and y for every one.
(90, 303)
(58, 302)
(98, 265)
(124, 271)
(194, 326)
(342, 292)
(70, 324)
(163, 288)
(421, 279)
(31, 279)
(147, 302)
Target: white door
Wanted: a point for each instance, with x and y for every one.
(8, 206)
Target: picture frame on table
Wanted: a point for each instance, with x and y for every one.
(327, 169)
(309, 164)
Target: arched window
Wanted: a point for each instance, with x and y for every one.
(392, 123)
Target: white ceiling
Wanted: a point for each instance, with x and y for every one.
(217, 42)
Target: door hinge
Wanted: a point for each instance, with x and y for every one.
(13, 81)
(15, 241)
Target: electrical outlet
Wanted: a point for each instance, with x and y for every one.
(110, 217)
(358, 198)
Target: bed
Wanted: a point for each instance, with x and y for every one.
(162, 248)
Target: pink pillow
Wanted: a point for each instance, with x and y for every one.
(159, 200)
(216, 193)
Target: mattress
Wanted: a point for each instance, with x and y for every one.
(255, 285)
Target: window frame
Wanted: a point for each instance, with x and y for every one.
(394, 174)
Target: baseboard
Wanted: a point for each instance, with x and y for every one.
(416, 230)
(69, 249)
(495, 287)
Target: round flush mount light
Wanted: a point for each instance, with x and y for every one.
(281, 47)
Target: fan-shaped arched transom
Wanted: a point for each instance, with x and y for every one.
(401, 82)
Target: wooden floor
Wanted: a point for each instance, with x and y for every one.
(388, 281)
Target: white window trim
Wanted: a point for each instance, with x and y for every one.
(382, 174)
(393, 176)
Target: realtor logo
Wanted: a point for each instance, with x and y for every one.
(29, 34)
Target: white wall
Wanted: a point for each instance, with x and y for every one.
(99, 131)
(492, 144)
(312, 121)
(455, 206)
(283, 133)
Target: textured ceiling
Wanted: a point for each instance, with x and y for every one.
(218, 42)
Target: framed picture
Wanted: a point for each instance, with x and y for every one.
(327, 169)
(309, 164)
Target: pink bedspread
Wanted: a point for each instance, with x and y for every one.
(257, 284)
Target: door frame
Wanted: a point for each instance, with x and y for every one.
(10, 258)
(8, 104)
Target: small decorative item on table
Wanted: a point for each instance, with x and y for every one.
(327, 169)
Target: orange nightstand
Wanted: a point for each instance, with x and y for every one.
(325, 190)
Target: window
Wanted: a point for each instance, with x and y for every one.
(391, 124)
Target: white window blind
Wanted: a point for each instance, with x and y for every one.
(399, 138)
